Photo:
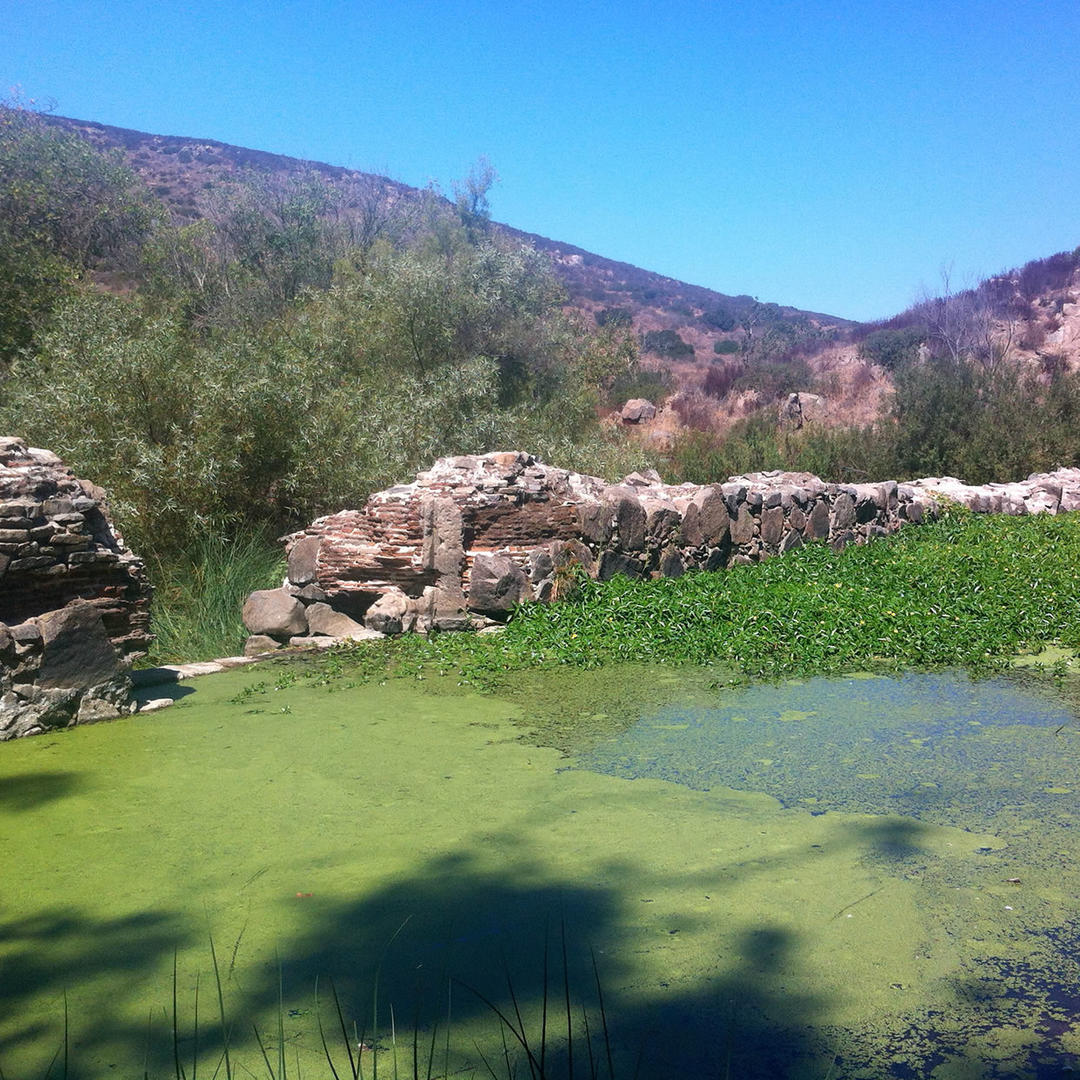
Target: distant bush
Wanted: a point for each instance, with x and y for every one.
(776, 380)
(719, 318)
(754, 444)
(1049, 274)
(720, 378)
(614, 316)
(640, 383)
(725, 347)
(695, 410)
(891, 349)
(666, 343)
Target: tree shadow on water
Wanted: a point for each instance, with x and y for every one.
(31, 790)
(496, 940)
(48, 956)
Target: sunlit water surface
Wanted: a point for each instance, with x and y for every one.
(858, 877)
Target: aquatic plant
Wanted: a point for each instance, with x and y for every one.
(969, 590)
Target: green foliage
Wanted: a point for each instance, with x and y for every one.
(774, 380)
(652, 384)
(967, 591)
(666, 343)
(948, 417)
(953, 417)
(725, 347)
(614, 316)
(352, 389)
(758, 443)
(892, 349)
(719, 318)
(199, 594)
(64, 206)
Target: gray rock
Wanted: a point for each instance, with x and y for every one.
(274, 612)
(541, 565)
(324, 621)
(497, 585)
(713, 516)
(617, 562)
(390, 614)
(671, 564)
(742, 526)
(443, 549)
(791, 541)
(690, 534)
(843, 513)
(637, 410)
(257, 644)
(303, 559)
(76, 650)
(629, 517)
(772, 526)
(309, 641)
(817, 526)
(595, 521)
(156, 704)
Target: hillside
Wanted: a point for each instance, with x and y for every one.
(711, 360)
(181, 171)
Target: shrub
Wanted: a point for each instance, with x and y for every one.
(694, 410)
(719, 318)
(890, 348)
(666, 343)
(720, 378)
(615, 317)
(199, 594)
(776, 380)
(640, 383)
(725, 347)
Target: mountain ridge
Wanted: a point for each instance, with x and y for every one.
(593, 282)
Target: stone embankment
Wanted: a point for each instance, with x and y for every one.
(474, 536)
(74, 603)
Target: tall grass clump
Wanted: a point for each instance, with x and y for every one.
(199, 594)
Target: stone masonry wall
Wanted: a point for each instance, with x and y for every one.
(474, 536)
(74, 603)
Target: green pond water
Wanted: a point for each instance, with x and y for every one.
(860, 877)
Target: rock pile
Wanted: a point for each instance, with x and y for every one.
(74, 604)
(474, 536)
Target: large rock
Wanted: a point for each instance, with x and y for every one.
(275, 613)
(303, 560)
(391, 614)
(324, 621)
(74, 602)
(637, 411)
(497, 585)
(76, 650)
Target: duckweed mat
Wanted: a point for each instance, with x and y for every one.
(790, 910)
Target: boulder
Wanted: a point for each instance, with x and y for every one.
(257, 644)
(391, 614)
(275, 613)
(76, 650)
(324, 621)
(302, 560)
(637, 411)
(497, 585)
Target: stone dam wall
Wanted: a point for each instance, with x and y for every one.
(473, 536)
(74, 603)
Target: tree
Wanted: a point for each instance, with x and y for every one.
(65, 207)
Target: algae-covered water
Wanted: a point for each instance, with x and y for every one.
(846, 878)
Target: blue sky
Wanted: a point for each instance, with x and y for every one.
(834, 156)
